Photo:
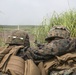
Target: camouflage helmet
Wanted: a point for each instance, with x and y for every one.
(58, 32)
(18, 37)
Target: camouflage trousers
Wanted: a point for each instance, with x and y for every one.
(71, 71)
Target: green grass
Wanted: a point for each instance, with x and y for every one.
(67, 19)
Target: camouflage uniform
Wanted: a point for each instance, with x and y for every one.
(59, 43)
(19, 37)
(18, 43)
(56, 47)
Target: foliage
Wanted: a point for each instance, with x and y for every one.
(67, 19)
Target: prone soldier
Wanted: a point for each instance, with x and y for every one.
(59, 45)
(15, 53)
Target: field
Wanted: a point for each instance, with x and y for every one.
(5, 31)
(67, 19)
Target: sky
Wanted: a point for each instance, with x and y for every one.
(31, 12)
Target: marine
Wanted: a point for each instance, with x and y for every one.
(59, 45)
(51, 58)
(14, 55)
(19, 38)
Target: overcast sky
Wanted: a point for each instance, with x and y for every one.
(31, 12)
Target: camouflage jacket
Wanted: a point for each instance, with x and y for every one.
(55, 47)
(26, 53)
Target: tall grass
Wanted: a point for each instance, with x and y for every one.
(67, 19)
(41, 32)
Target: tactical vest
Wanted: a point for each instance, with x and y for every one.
(61, 65)
(8, 53)
(14, 65)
